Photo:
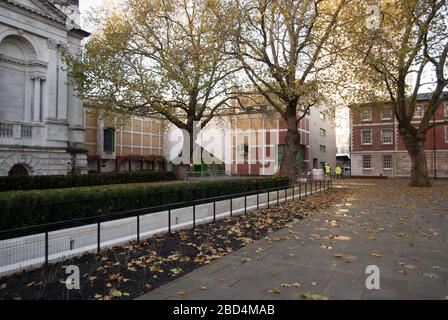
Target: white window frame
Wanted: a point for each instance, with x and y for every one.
(362, 137)
(390, 162)
(419, 116)
(445, 104)
(391, 138)
(382, 114)
(364, 157)
(369, 110)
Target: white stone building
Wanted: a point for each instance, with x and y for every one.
(41, 120)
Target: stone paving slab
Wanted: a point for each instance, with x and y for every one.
(401, 230)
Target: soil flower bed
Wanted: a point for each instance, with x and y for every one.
(128, 271)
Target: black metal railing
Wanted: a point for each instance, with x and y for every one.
(45, 229)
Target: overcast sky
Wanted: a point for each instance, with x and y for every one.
(85, 4)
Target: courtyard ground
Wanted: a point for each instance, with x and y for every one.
(403, 231)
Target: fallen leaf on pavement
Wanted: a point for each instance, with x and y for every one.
(313, 296)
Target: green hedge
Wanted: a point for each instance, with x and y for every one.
(28, 208)
(77, 180)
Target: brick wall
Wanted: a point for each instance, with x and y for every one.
(401, 163)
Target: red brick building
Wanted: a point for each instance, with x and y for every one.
(258, 140)
(377, 148)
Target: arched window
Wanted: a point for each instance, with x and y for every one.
(17, 57)
(18, 170)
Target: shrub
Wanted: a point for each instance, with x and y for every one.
(76, 180)
(29, 208)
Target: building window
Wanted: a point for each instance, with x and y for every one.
(446, 108)
(366, 115)
(323, 148)
(323, 116)
(387, 162)
(323, 132)
(386, 114)
(299, 158)
(18, 170)
(243, 149)
(366, 162)
(387, 136)
(109, 140)
(418, 112)
(366, 136)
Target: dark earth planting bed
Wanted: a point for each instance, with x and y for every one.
(129, 271)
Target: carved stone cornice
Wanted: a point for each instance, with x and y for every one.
(38, 76)
(22, 63)
(59, 19)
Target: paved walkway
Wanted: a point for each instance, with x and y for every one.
(401, 230)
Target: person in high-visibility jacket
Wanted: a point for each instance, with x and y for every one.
(338, 172)
(327, 170)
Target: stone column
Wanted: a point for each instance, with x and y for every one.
(62, 89)
(37, 97)
(52, 85)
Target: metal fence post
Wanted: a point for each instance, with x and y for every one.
(169, 220)
(98, 237)
(286, 195)
(194, 215)
(293, 192)
(46, 249)
(214, 211)
(231, 207)
(245, 204)
(138, 228)
(278, 197)
(320, 186)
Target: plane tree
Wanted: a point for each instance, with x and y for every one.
(158, 57)
(282, 47)
(399, 50)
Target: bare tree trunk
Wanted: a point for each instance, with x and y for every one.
(419, 169)
(289, 163)
(181, 169)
